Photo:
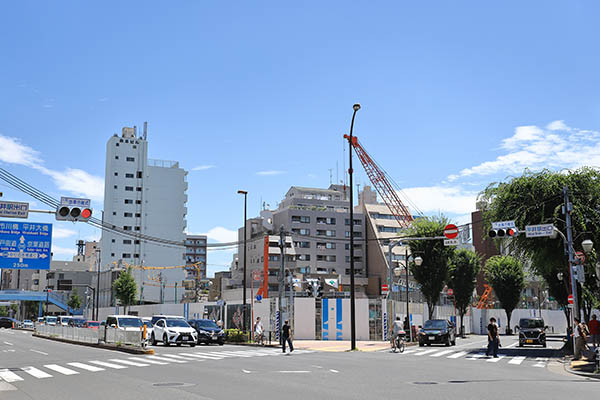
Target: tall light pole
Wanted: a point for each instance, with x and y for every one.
(356, 107)
(245, 193)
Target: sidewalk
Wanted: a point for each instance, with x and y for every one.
(340, 345)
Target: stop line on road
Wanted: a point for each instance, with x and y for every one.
(540, 362)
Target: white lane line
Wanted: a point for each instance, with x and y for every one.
(214, 354)
(146, 360)
(62, 370)
(457, 355)
(39, 352)
(108, 365)
(541, 362)
(175, 356)
(245, 371)
(517, 360)
(425, 352)
(441, 353)
(166, 359)
(9, 376)
(9, 344)
(36, 373)
(127, 362)
(493, 360)
(335, 371)
(407, 351)
(511, 345)
(294, 372)
(90, 368)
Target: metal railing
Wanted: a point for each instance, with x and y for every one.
(95, 336)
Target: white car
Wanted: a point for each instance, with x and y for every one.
(173, 330)
(28, 324)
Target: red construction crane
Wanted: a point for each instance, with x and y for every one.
(382, 184)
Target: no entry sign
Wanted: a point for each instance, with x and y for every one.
(451, 231)
(570, 299)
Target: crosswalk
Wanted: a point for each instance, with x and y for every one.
(15, 375)
(536, 362)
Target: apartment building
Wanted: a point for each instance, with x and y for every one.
(195, 261)
(143, 196)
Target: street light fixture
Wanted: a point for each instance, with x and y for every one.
(587, 245)
(245, 193)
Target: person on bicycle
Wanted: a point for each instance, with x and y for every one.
(397, 330)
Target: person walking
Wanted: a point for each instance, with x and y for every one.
(258, 331)
(286, 335)
(580, 338)
(493, 339)
(594, 326)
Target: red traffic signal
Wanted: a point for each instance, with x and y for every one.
(509, 232)
(73, 213)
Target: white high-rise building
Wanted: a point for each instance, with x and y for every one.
(147, 197)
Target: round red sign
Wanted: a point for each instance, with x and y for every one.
(451, 231)
(570, 299)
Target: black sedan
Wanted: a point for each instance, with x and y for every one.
(208, 331)
(437, 331)
(6, 322)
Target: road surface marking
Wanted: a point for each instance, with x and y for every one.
(127, 362)
(441, 353)
(457, 355)
(108, 365)
(37, 373)
(335, 371)
(146, 360)
(476, 356)
(5, 386)
(541, 362)
(203, 355)
(90, 368)
(495, 359)
(511, 345)
(425, 352)
(234, 353)
(215, 354)
(245, 371)
(517, 360)
(470, 344)
(175, 356)
(62, 370)
(10, 344)
(39, 352)
(407, 351)
(294, 372)
(166, 359)
(9, 376)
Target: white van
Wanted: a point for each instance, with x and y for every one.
(64, 320)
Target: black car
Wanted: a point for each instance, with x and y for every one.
(6, 322)
(208, 331)
(437, 331)
(532, 331)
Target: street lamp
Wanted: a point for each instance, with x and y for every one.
(587, 245)
(245, 193)
(355, 107)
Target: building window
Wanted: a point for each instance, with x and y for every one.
(114, 213)
(138, 202)
(303, 232)
(138, 215)
(301, 218)
(137, 242)
(127, 241)
(356, 221)
(389, 229)
(139, 174)
(325, 258)
(128, 175)
(136, 256)
(129, 188)
(130, 159)
(274, 257)
(302, 257)
(126, 228)
(356, 246)
(117, 144)
(324, 220)
(127, 214)
(126, 255)
(113, 240)
(303, 245)
(128, 201)
(321, 232)
(115, 186)
(116, 174)
(139, 189)
(116, 157)
(112, 254)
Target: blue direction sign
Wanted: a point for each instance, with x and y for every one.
(25, 245)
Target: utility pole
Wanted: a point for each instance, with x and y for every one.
(567, 208)
(281, 275)
(97, 284)
(407, 291)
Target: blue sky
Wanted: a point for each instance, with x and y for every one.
(257, 96)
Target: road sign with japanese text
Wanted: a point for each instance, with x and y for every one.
(13, 209)
(25, 245)
(75, 202)
(543, 230)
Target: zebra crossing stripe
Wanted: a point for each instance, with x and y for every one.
(166, 359)
(476, 356)
(235, 353)
(441, 353)
(146, 360)
(517, 360)
(425, 352)
(175, 356)
(62, 370)
(9, 376)
(36, 373)
(541, 362)
(108, 365)
(493, 360)
(457, 355)
(90, 368)
(406, 351)
(127, 362)
(205, 355)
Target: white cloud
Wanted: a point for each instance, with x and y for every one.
(270, 173)
(435, 199)
(64, 251)
(61, 233)
(75, 181)
(94, 237)
(222, 235)
(203, 167)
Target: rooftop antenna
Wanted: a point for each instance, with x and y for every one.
(337, 173)
(145, 129)
(134, 131)
(330, 176)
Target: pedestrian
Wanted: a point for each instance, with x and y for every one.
(493, 339)
(258, 331)
(594, 326)
(580, 338)
(286, 335)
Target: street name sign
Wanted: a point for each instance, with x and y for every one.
(543, 230)
(75, 202)
(451, 242)
(451, 231)
(14, 209)
(25, 245)
(503, 224)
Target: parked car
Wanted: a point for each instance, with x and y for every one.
(438, 331)
(77, 322)
(91, 324)
(124, 322)
(50, 320)
(64, 320)
(155, 318)
(149, 326)
(173, 330)
(6, 322)
(532, 331)
(208, 331)
(28, 324)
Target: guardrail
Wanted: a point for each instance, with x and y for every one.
(92, 336)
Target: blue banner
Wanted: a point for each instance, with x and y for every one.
(25, 245)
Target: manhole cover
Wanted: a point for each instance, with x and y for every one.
(425, 383)
(171, 384)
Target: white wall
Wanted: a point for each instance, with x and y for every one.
(304, 318)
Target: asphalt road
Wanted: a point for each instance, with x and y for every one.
(33, 368)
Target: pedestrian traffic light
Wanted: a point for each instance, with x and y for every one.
(73, 213)
(507, 232)
(319, 292)
(310, 289)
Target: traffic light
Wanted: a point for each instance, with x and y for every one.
(507, 232)
(319, 292)
(310, 289)
(73, 213)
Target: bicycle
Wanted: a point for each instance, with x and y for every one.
(399, 344)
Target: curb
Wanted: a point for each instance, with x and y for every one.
(581, 373)
(99, 345)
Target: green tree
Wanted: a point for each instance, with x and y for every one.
(464, 267)
(537, 198)
(507, 277)
(125, 289)
(74, 302)
(432, 274)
